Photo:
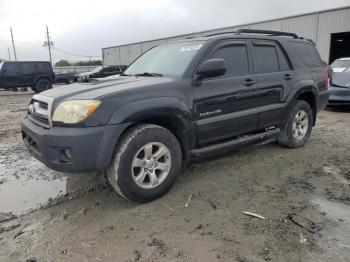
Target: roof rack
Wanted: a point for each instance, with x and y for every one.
(222, 33)
(266, 32)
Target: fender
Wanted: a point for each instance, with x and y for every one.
(300, 87)
(170, 107)
(152, 107)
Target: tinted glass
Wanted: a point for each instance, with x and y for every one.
(171, 59)
(28, 68)
(43, 67)
(284, 66)
(236, 57)
(307, 53)
(266, 59)
(11, 69)
(341, 64)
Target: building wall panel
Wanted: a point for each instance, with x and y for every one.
(317, 26)
(331, 22)
(305, 26)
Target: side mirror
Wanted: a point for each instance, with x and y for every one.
(212, 68)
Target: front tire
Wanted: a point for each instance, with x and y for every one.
(146, 163)
(297, 129)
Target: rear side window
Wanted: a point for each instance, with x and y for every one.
(307, 53)
(236, 57)
(44, 67)
(266, 59)
(28, 68)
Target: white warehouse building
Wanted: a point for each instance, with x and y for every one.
(329, 29)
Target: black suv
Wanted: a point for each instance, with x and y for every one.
(37, 75)
(180, 101)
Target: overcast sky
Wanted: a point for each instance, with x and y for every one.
(83, 27)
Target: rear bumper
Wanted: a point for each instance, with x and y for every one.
(91, 147)
(322, 100)
(339, 96)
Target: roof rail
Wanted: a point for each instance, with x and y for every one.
(222, 33)
(266, 32)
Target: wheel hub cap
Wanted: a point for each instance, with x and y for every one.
(300, 125)
(151, 165)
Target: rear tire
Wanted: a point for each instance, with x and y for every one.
(42, 85)
(145, 164)
(297, 129)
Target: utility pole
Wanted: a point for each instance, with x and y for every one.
(13, 44)
(48, 42)
(8, 50)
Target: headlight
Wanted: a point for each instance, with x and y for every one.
(74, 111)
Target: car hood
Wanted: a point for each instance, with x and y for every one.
(103, 87)
(341, 79)
(338, 69)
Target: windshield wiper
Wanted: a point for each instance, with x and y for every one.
(149, 74)
(123, 74)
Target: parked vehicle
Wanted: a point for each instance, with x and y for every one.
(99, 72)
(35, 74)
(180, 101)
(64, 77)
(339, 91)
(341, 64)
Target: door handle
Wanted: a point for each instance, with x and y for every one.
(249, 82)
(287, 77)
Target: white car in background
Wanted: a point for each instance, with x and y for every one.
(341, 64)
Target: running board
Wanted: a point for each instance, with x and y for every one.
(233, 144)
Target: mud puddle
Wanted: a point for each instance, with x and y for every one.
(26, 184)
(20, 197)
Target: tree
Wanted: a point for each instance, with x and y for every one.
(62, 63)
(89, 63)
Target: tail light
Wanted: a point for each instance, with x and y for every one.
(326, 78)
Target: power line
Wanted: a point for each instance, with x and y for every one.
(74, 54)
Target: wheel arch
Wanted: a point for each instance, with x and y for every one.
(308, 94)
(166, 112)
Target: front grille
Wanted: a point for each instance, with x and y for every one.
(39, 110)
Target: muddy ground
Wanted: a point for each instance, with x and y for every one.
(78, 217)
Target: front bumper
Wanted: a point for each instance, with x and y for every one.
(339, 96)
(91, 147)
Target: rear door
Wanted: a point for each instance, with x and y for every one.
(29, 72)
(275, 78)
(224, 106)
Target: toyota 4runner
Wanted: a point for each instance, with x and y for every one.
(179, 101)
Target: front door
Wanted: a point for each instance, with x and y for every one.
(224, 106)
(10, 74)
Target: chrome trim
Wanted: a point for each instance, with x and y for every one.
(38, 122)
(44, 113)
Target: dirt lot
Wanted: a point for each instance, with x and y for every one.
(82, 219)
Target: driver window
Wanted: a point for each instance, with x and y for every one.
(236, 57)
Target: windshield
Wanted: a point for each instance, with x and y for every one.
(341, 64)
(171, 59)
(97, 69)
